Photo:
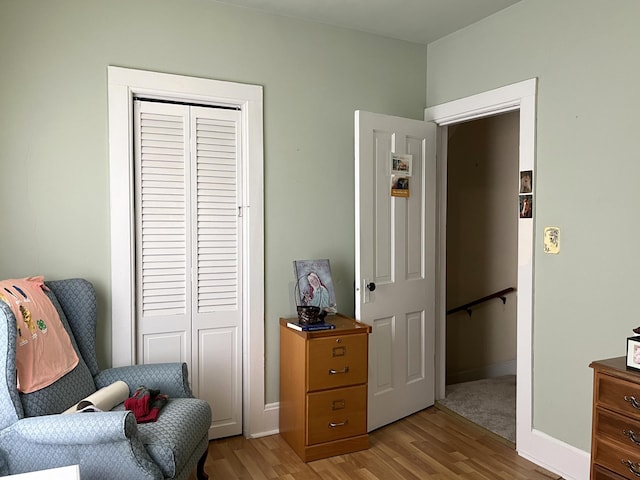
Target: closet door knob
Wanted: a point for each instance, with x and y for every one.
(371, 286)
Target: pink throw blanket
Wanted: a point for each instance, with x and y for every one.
(44, 352)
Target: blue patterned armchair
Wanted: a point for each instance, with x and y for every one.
(106, 445)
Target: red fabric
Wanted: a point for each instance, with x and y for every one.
(158, 402)
(146, 404)
(139, 402)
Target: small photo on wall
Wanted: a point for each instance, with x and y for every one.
(526, 206)
(526, 181)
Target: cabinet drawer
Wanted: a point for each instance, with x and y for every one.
(619, 395)
(336, 414)
(619, 428)
(620, 460)
(336, 361)
(602, 474)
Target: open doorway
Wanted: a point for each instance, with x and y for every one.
(482, 217)
(519, 97)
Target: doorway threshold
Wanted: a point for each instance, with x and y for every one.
(489, 403)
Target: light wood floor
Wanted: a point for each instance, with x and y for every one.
(430, 444)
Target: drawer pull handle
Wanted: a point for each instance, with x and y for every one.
(632, 400)
(632, 436)
(344, 370)
(342, 424)
(633, 467)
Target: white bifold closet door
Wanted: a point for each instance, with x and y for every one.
(189, 249)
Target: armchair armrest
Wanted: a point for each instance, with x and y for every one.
(105, 444)
(169, 378)
(77, 428)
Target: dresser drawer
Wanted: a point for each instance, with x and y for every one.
(336, 414)
(619, 395)
(603, 474)
(336, 361)
(621, 429)
(620, 460)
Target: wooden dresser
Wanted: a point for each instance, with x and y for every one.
(323, 388)
(615, 440)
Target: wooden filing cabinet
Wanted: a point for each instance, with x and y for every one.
(323, 388)
(615, 440)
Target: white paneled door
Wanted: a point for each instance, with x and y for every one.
(188, 249)
(395, 262)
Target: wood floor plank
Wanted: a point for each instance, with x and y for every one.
(429, 445)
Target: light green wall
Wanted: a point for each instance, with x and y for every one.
(54, 186)
(584, 53)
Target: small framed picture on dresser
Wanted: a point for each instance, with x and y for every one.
(633, 353)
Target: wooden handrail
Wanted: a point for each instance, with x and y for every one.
(467, 306)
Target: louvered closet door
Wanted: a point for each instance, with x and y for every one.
(216, 257)
(163, 262)
(188, 257)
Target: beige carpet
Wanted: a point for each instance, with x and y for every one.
(490, 403)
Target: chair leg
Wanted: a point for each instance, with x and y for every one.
(201, 474)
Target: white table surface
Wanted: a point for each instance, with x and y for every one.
(63, 473)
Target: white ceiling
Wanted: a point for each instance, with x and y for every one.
(420, 21)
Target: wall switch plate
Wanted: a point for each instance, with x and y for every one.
(552, 240)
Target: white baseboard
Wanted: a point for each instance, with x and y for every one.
(558, 457)
(486, 371)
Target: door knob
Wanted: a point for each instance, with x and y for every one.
(371, 286)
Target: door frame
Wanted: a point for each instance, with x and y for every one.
(519, 96)
(123, 84)
(542, 449)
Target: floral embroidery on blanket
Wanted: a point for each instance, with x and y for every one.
(44, 352)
